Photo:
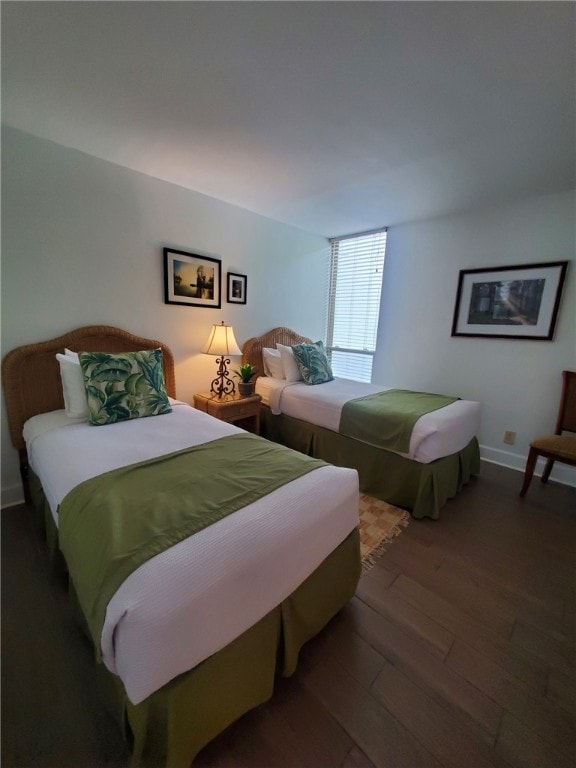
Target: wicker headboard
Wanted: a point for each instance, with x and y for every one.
(31, 374)
(252, 349)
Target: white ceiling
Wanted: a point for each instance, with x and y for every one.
(335, 117)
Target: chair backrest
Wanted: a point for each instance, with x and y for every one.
(567, 411)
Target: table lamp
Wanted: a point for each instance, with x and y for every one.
(222, 343)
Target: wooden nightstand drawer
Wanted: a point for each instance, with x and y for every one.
(232, 409)
(239, 410)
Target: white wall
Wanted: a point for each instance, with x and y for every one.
(82, 244)
(517, 382)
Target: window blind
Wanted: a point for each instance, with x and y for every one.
(356, 272)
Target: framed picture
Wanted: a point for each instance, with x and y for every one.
(519, 302)
(236, 288)
(191, 279)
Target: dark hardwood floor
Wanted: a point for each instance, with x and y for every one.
(458, 650)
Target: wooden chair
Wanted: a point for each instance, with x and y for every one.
(556, 447)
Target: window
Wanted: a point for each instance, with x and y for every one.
(356, 270)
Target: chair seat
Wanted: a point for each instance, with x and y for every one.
(558, 446)
(563, 446)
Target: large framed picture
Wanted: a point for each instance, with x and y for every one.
(519, 302)
(236, 292)
(191, 279)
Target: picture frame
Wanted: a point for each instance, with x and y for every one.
(514, 302)
(236, 288)
(191, 279)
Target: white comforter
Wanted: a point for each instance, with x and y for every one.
(196, 597)
(436, 434)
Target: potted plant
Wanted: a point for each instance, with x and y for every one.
(245, 374)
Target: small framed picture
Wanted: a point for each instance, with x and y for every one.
(191, 279)
(236, 293)
(519, 302)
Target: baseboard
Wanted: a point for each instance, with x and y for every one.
(11, 496)
(561, 473)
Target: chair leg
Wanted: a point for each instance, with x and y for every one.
(529, 471)
(547, 470)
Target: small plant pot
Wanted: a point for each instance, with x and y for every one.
(246, 388)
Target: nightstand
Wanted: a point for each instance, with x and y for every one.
(235, 409)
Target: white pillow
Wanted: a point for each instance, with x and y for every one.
(75, 401)
(291, 370)
(273, 365)
(73, 355)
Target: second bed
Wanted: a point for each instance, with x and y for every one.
(441, 456)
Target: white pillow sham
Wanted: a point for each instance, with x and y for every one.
(273, 365)
(75, 401)
(73, 355)
(291, 370)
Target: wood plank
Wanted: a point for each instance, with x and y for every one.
(473, 632)
(523, 748)
(259, 738)
(346, 649)
(558, 655)
(526, 607)
(464, 589)
(388, 604)
(381, 576)
(379, 735)
(562, 691)
(569, 624)
(525, 533)
(523, 576)
(357, 759)
(425, 531)
(309, 730)
(408, 554)
(532, 709)
(510, 538)
(446, 734)
(492, 512)
(239, 745)
(414, 658)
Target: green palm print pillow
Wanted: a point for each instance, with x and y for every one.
(313, 363)
(128, 385)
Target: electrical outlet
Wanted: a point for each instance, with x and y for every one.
(509, 437)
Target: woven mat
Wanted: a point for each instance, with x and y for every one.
(380, 524)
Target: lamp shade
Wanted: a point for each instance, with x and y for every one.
(221, 341)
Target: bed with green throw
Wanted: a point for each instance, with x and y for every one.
(200, 558)
(412, 449)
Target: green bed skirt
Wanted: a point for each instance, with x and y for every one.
(421, 488)
(172, 725)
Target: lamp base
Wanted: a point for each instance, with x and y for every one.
(222, 384)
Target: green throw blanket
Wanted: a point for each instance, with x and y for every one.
(111, 524)
(386, 419)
